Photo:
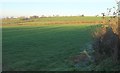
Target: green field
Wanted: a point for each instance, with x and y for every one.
(53, 20)
(49, 47)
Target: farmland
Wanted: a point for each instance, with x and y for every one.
(52, 20)
(44, 43)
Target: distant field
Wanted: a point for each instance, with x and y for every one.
(43, 47)
(53, 20)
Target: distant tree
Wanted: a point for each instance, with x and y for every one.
(12, 17)
(53, 15)
(7, 18)
(34, 16)
(82, 15)
(97, 15)
(103, 15)
(24, 18)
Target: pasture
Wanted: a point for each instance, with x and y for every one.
(41, 48)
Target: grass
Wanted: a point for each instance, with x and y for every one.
(40, 48)
(72, 18)
(46, 44)
(53, 20)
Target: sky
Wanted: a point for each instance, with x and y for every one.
(17, 8)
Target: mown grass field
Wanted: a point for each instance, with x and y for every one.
(41, 48)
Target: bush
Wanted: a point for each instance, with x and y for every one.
(106, 44)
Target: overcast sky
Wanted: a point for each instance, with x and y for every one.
(54, 7)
